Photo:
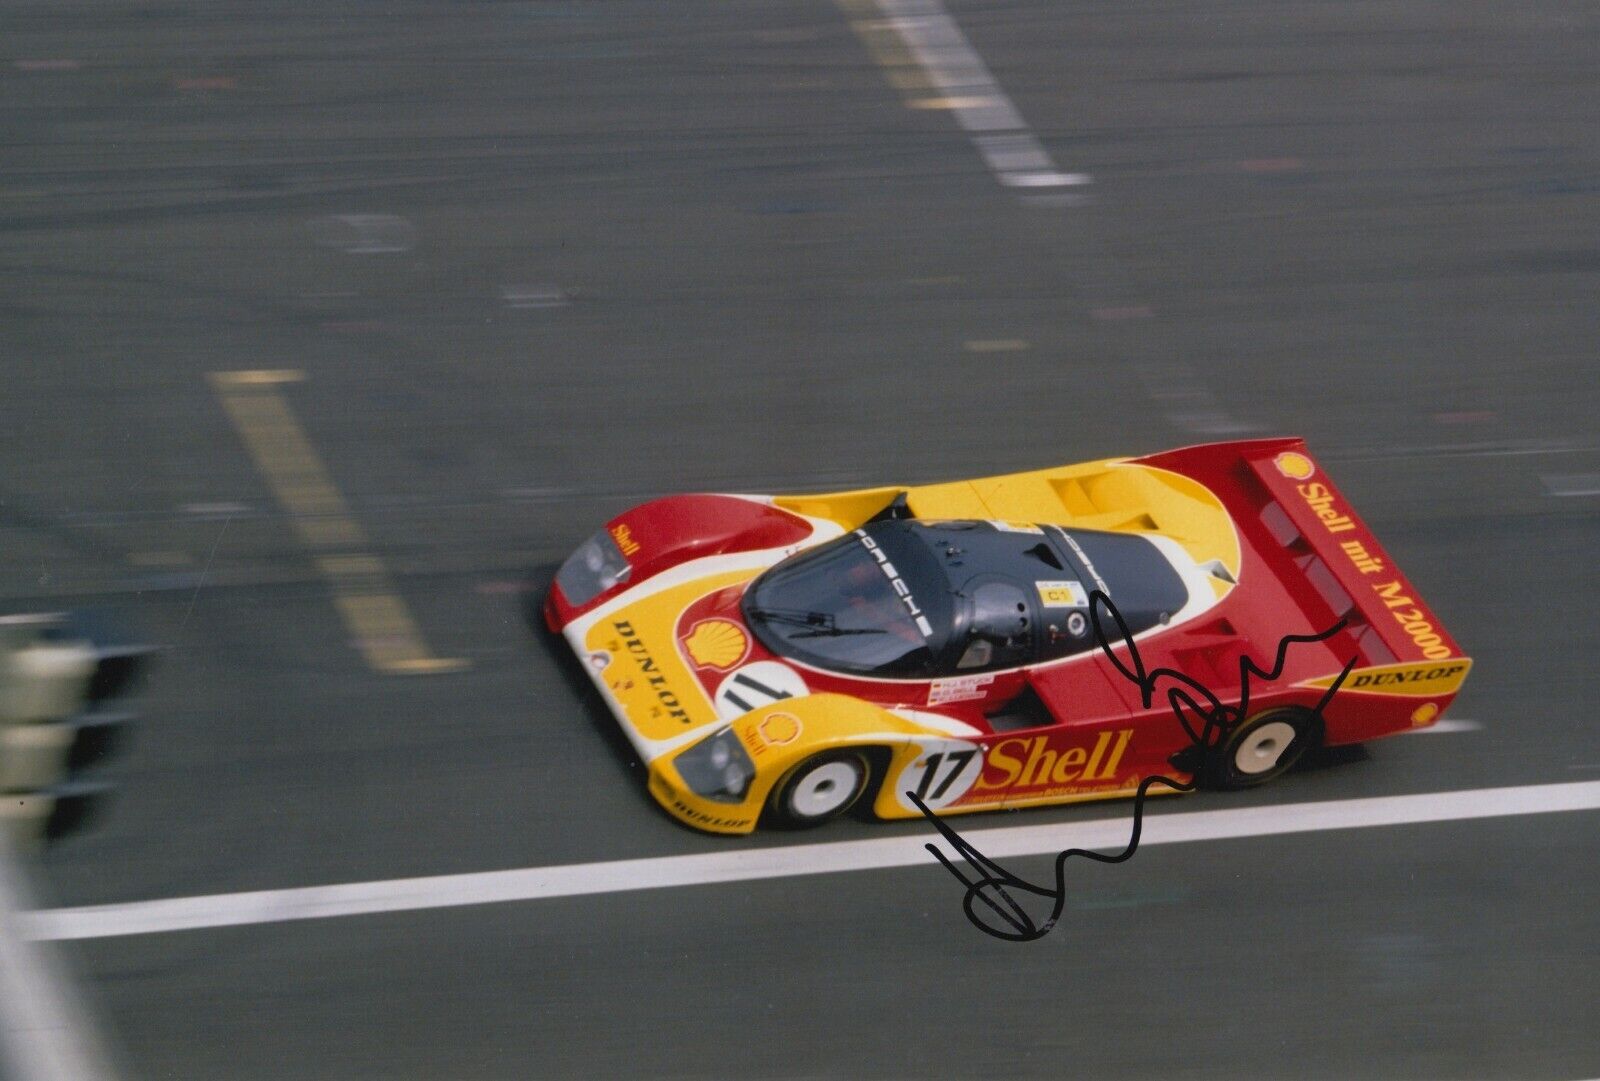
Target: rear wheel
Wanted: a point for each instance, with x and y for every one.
(1264, 747)
(821, 788)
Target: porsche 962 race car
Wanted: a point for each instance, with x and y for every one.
(780, 659)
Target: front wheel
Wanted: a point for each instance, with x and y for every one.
(1264, 747)
(819, 789)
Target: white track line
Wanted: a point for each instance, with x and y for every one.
(571, 880)
(1188, 404)
(45, 1034)
(1571, 484)
(1010, 149)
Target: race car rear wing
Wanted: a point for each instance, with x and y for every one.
(1323, 550)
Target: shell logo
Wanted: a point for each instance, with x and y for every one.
(1425, 714)
(1294, 466)
(779, 728)
(717, 643)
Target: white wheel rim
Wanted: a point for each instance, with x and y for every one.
(825, 789)
(1263, 747)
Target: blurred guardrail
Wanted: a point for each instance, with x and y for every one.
(62, 681)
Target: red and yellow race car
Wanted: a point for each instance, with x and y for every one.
(781, 659)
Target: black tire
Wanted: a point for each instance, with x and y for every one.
(818, 790)
(1263, 748)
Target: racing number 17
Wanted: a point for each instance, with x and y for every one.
(958, 762)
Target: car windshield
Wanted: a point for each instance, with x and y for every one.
(872, 602)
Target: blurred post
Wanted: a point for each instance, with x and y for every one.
(59, 680)
(45, 1033)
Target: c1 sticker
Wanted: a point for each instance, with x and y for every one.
(1065, 594)
(944, 772)
(959, 689)
(759, 684)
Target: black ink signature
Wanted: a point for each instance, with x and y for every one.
(1191, 701)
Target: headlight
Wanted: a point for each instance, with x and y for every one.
(595, 567)
(717, 767)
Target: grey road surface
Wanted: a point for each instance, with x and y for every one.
(530, 263)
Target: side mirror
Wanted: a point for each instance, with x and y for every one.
(898, 509)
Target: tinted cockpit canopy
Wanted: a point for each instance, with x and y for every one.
(914, 599)
(872, 602)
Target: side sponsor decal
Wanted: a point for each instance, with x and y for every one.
(1320, 499)
(1030, 762)
(694, 814)
(755, 685)
(644, 690)
(641, 662)
(959, 689)
(1421, 679)
(1364, 561)
(948, 772)
(1413, 619)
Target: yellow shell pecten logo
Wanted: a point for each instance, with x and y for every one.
(1294, 466)
(779, 728)
(717, 643)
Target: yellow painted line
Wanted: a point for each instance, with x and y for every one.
(924, 54)
(378, 621)
(159, 559)
(887, 47)
(948, 103)
(259, 376)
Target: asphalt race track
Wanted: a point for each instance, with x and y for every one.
(516, 266)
